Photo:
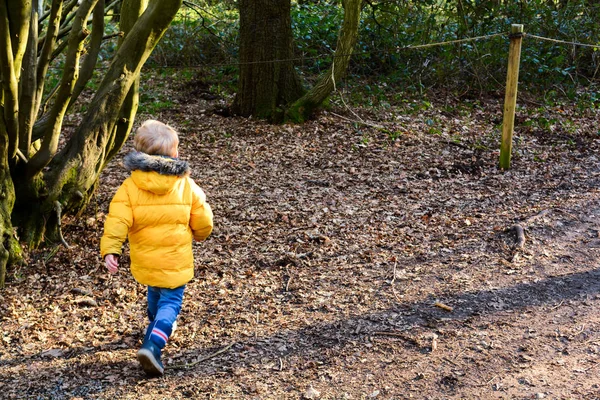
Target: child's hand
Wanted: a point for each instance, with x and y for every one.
(112, 263)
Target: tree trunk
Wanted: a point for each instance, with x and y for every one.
(305, 106)
(266, 85)
(72, 174)
(40, 183)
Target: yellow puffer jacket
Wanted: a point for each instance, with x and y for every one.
(161, 209)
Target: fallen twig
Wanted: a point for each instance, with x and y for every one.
(536, 216)
(208, 357)
(359, 122)
(568, 214)
(394, 280)
(443, 306)
(450, 361)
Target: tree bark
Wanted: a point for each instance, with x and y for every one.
(266, 84)
(39, 186)
(49, 145)
(72, 174)
(10, 86)
(305, 106)
(129, 13)
(19, 16)
(91, 58)
(28, 83)
(10, 250)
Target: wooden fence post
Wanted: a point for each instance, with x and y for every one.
(510, 98)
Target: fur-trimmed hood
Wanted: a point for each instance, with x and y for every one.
(156, 174)
(162, 164)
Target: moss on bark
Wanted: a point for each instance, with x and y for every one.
(10, 250)
(304, 107)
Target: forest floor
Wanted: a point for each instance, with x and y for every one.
(347, 262)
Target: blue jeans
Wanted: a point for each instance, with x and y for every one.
(164, 306)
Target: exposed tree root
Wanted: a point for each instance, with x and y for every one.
(4, 255)
(58, 210)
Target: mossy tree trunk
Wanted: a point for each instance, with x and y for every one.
(9, 246)
(265, 85)
(50, 180)
(304, 107)
(269, 87)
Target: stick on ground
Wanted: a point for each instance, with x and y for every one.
(202, 359)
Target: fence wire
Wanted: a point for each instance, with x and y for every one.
(386, 51)
(328, 56)
(594, 46)
(398, 49)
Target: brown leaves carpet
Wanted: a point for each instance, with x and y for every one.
(347, 262)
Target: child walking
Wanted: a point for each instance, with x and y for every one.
(160, 209)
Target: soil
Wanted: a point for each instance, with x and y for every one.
(348, 261)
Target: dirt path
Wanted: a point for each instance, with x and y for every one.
(333, 244)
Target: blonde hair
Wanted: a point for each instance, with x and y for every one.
(155, 138)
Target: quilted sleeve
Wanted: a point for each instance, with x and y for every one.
(118, 222)
(201, 218)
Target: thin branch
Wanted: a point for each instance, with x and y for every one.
(67, 15)
(202, 359)
(49, 13)
(110, 6)
(21, 156)
(380, 127)
(58, 211)
(19, 18)
(44, 58)
(87, 68)
(28, 84)
(392, 282)
(113, 35)
(59, 49)
(196, 9)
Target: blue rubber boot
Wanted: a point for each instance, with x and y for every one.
(149, 358)
(155, 340)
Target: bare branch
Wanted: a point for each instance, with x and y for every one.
(19, 15)
(10, 84)
(45, 56)
(130, 13)
(67, 16)
(28, 84)
(58, 211)
(62, 45)
(50, 141)
(98, 123)
(196, 9)
(87, 67)
(46, 14)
